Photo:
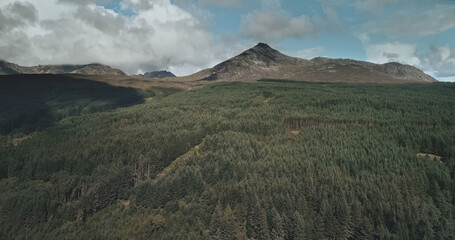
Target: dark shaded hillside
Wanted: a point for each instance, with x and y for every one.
(34, 102)
(269, 160)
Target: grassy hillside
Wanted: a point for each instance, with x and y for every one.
(269, 160)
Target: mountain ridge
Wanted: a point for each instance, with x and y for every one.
(256, 63)
(262, 61)
(7, 68)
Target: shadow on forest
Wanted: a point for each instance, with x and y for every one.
(33, 102)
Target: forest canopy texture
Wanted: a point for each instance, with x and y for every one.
(266, 160)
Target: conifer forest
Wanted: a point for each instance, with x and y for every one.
(270, 160)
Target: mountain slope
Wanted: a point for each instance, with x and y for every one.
(7, 68)
(262, 61)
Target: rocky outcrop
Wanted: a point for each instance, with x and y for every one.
(156, 74)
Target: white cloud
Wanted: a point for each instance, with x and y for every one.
(392, 52)
(374, 6)
(159, 36)
(310, 52)
(447, 79)
(224, 3)
(332, 21)
(430, 21)
(268, 25)
(272, 23)
(84, 2)
(441, 60)
(377, 7)
(438, 61)
(363, 37)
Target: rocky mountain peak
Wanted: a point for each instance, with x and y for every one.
(261, 52)
(262, 48)
(263, 45)
(261, 57)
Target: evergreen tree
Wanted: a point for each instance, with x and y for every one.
(257, 220)
(222, 225)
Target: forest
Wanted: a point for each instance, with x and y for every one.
(267, 160)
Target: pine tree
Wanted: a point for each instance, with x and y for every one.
(222, 225)
(257, 220)
(299, 226)
(276, 224)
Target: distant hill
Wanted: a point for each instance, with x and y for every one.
(262, 61)
(156, 74)
(7, 68)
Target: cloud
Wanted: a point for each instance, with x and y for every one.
(447, 79)
(17, 14)
(310, 52)
(24, 11)
(392, 52)
(223, 3)
(441, 60)
(268, 25)
(374, 6)
(158, 36)
(332, 21)
(271, 4)
(438, 19)
(437, 61)
(106, 21)
(272, 23)
(389, 55)
(84, 2)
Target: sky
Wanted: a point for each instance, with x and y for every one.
(185, 36)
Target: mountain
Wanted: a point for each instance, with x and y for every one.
(7, 68)
(156, 74)
(259, 62)
(262, 62)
